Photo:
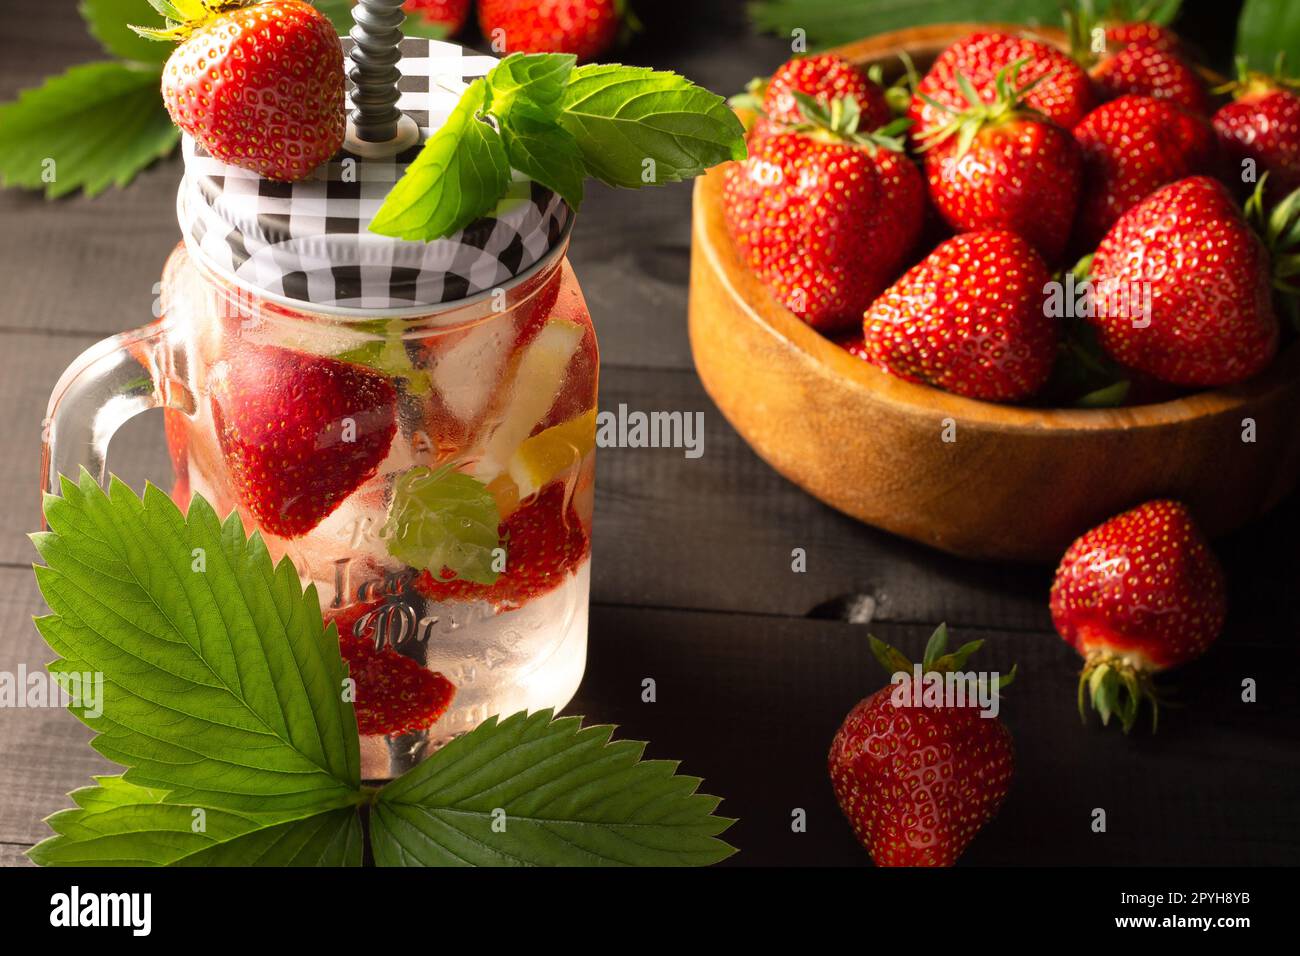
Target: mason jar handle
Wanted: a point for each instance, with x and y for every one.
(105, 386)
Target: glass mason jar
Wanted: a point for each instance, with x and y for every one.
(500, 388)
(424, 458)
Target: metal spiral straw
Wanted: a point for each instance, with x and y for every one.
(376, 35)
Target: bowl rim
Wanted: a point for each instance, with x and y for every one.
(762, 308)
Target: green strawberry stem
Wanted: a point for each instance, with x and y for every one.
(937, 658)
(185, 16)
(839, 122)
(1279, 229)
(1248, 81)
(1008, 105)
(1115, 686)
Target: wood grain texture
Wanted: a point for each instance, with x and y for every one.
(976, 479)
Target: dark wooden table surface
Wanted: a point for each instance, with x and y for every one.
(755, 665)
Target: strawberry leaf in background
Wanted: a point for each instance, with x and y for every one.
(108, 22)
(221, 684)
(94, 126)
(1267, 28)
(339, 13)
(460, 175)
(532, 790)
(830, 22)
(444, 519)
(624, 116)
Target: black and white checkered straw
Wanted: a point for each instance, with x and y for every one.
(309, 241)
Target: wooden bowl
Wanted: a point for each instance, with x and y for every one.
(1016, 483)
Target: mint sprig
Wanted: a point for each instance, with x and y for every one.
(558, 123)
(223, 697)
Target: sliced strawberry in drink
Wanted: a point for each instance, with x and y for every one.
(299, 432)
(545, 541)
(176, 428)
(394, 694)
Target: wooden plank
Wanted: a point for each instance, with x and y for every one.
(751, 703)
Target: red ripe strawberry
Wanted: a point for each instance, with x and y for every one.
(825, 78)
(450, 15)
(855, 345)
(1147, 71)
(969, 318)
(1121, 35)
(1183, 289)
(1063, 95)
(1131, 147)
(545, 542)
(258, 84)
(826, 219)
(998, 165)
(1134, 596)
(1262, 124)
(585, 28)
(918, 782)
(299, 432)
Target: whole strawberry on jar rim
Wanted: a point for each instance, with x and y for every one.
(1137, 595)
(258, 82)
(387, 369)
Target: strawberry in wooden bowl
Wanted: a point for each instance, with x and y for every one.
(989, 401)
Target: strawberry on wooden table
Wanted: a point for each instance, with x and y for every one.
(827, 213)
(259, 83)
(1134, 596)
(299, 432)
(997, 164)
(585, 28)
(1063, 93)
(1131, 147)
(1211, 319)
(918, 782)
(969, 318)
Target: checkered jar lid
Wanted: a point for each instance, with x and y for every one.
(309, 241)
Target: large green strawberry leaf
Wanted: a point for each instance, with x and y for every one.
(220, 682)
(531, 790)
(109, 22)
(117, 823)
(94, 126)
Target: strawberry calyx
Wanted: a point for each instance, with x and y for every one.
(900, 93)
(936, 659)
(752, 98)
(1084, 25)
(1248, 82)
(1008, 105)
(1117, 685)
(1279, 228)
(183, 17)
(840, 121)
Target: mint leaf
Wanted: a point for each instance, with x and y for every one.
(120, 824)
(94, 126)
(107, 21)
(459, 176)
(536, 80)
(535, 791)
(546, 153)
(444, 519)
(623, 117)
(220, 683)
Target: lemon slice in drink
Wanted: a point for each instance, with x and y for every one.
(550, 453)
